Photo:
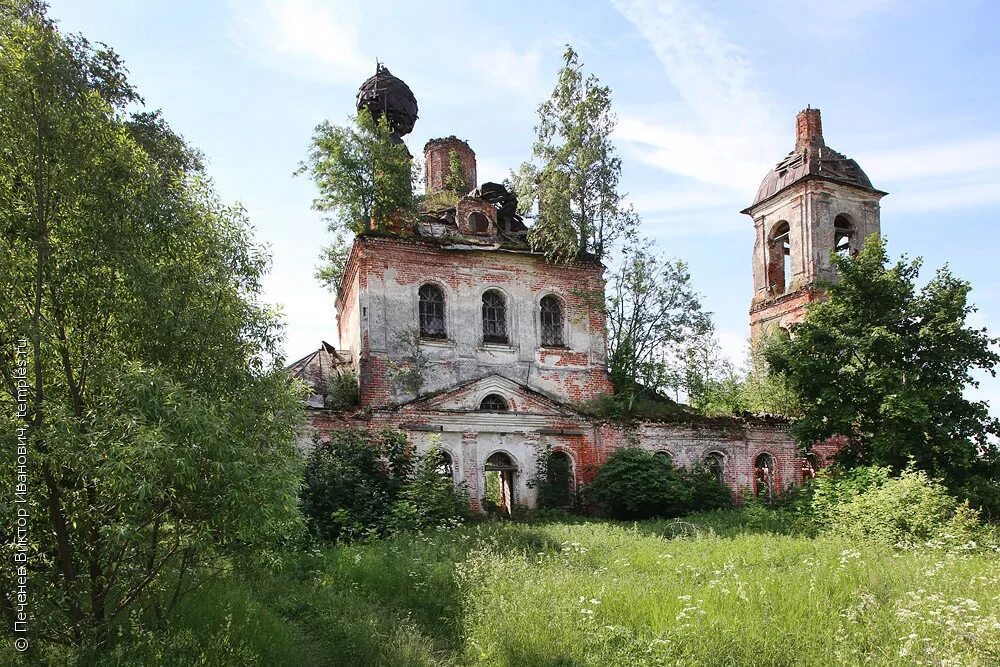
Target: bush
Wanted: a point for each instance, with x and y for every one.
(634, 484)
(369, 483)
(343, 391)
(833, 487)
(707, 493)
(352, 481)
(906, 510)
(430, 499)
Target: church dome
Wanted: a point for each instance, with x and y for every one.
(386, 94)
(811, 158)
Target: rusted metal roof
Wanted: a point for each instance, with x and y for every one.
(811, 158)
(317, 368)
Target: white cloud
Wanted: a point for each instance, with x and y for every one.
(958, 174)
(306, 38)
(519, 72)
(723, 131)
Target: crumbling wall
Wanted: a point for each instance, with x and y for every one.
(393, 271)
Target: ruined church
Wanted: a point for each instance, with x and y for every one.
(460, 334)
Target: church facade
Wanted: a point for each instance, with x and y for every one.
(463, 337)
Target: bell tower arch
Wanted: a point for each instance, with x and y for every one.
(813, 203)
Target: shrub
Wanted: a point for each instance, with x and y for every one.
(368, 483)
(833, 487)
(343, 391)
(634, 484)
(707, 493)
(352, 481)
(905, 510)
(430, 499)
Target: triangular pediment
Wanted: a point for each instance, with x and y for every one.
(468, 397)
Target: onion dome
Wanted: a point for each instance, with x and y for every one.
(385, 94)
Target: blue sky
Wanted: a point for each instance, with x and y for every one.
(706, 94)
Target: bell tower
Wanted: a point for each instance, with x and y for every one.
(814, 202)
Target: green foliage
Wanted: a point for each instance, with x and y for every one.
(707, 493)
(430, 499)
(365, 483)
(715, 387)
(365, 179)
(435, 201)
(654, 317)
(344, 391)
(907, 510)
(160, 430)
(333, 262)
(836, 486)
(455, 180)
(575, 173)
(646, 594)
(634, 484)
(887, 364)
(352, 481)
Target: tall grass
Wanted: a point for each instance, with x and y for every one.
(724, 588)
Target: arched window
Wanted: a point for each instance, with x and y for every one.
(431, 312)
(552, 322)
(479, 223)
(779, 258)
(763, 475)
(559, 475)
(715, 464)
(494, 317)
(494, 403)
(445, 467)
(843, 231)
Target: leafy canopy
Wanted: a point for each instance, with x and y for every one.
(886, 364)
(364, 177)
(654, 317)
(161, 428)
(573, 178)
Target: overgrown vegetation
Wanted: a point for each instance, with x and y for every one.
(344, 391)
(887, 364)
(365, 180)
(575, 171)
(654, 317)
(159, 430)
(734, 585)
(365, 483)
(636, 484)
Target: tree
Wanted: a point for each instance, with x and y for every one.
(455, 180)
(364, 177)
(886, 365)
(574, 176)
(716, 387)
(635, 484)
(654, 317)
(158, 428)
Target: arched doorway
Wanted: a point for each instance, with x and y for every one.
(763, 476)
(560, 479)
(499, 473)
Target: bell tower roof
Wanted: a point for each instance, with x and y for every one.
(811, 158)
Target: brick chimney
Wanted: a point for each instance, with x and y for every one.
(437, 163)
(808, 129)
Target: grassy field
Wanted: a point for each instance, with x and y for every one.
(725, 588)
